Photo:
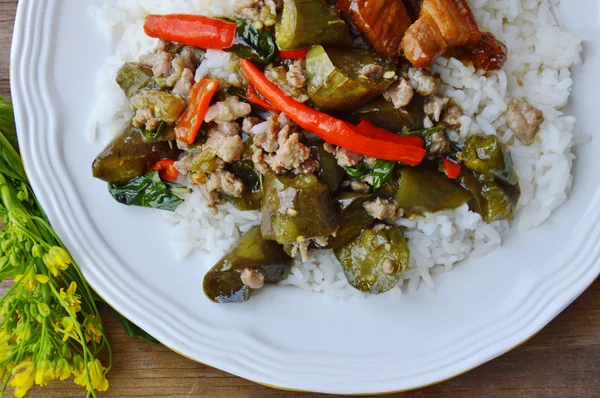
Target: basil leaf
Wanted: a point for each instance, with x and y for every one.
(154, 136)
(358, 171)
(134, 330)
(382, 173)
(148, 191)
(253, 44)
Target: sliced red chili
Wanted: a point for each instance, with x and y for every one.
(452, 168)
(200, 97)
(330, 129)
(191, 30)
(368, 129)
(293, 54)
(253, 96)
(166, 169)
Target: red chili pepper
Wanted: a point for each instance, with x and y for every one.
(200, 97)
(368, 129)
(166, 169)
(293, 54)
(452, 168)
(192, 30)
(330, 129)
(253, 96)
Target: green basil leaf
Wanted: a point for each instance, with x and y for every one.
(358, 171)
(148, 191)
(382, 173)
(154, 136)
(426, 132)
(253, 44)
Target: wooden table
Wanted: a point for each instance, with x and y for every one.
(562, 360)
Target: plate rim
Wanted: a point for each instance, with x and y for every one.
(36, 157)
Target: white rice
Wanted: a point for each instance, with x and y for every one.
(541, 55)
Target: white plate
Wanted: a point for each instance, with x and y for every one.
(286, 337)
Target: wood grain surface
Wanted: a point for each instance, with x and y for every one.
(563, 360)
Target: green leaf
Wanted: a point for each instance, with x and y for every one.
(7, 123)
(148, 191)
(10, 160)
(358, 171)
(382, 172)
(133, 330)
(253, 44)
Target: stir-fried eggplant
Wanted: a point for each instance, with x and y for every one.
(296, 208)
(354, 218)
(384, 22)
(133, 78)
(252, 196)
(442, 24)
(246, 267)
(321, 153)
(493, 200)
(165, 106)
(375, 261)
(128, 156)
(425, 190)
(330, 172)
(308, 22)
(343, 79)
(382, 113)
(486, 155)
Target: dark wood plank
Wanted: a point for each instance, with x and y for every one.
(562, 360)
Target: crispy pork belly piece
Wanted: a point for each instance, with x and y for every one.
(383, 22)
(442, 24)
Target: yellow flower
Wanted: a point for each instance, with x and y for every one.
(70, 298)
(22, 381)
(57, 259)
(30, 280)
(44, 373)
(63, 370)
(96, 370)
(68, 326)
(79, 371)
(92, 332)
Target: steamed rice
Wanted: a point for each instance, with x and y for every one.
(541, 54)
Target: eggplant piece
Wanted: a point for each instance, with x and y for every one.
(354, 218)
(493, 200)
(382, 113)
(487, 155)
(277, 74)
(442, 24)
(383, 22)
(204, 161)
(166, 106)
(305, 23)
(424, 190)
(133, 78)
(296, 208)
(250, 263)
(252, 196)
(330, 172)
(128, 156)
(337, 80)
(375, 261)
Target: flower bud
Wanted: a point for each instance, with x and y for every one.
(37, 251)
